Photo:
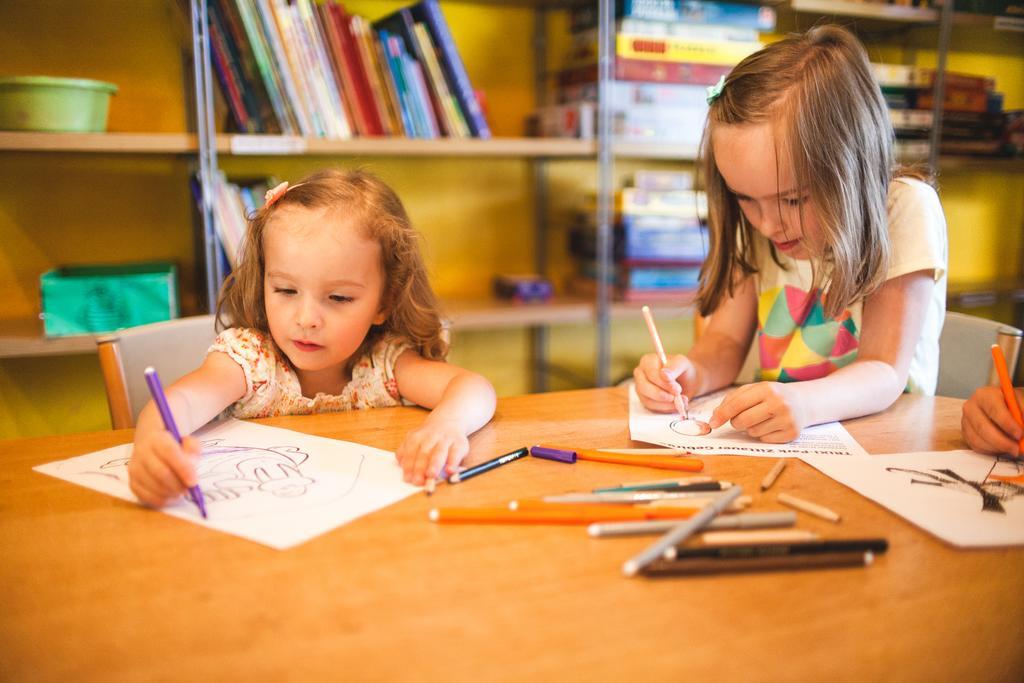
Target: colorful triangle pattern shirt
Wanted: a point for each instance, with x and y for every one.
(795, 340)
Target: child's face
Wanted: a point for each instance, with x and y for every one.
(765, 188)
(322, 285)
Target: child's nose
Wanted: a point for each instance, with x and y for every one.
(309, 313)
(771, 221)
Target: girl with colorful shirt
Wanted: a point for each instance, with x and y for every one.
(824, 255)
(330, 309)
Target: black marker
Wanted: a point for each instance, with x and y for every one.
(489, 465)
(753, 550)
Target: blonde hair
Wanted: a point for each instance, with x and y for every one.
(412, 309)
(833, 129)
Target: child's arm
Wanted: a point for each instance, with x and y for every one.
(891, 327)
(461, 402)
(713, 362)
(987, 424)
(161, 470)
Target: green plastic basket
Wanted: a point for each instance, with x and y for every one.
(92, 299)
(44, 103)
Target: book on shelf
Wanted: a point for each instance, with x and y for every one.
(260, 55)
(349, 70)
(308, 67)
(676, 49)
(584, 16)
(662, 180)
(584, 286)
(648, 71)
(429, 13)
(645, 242)
(233, 203)
(402, 26)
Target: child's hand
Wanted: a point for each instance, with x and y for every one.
(657, 387)
(769, 411)
(161, 470)
(987, 424)
(434, 450)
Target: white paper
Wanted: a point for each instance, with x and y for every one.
(273, 486)
(941, 492)
(663, 429)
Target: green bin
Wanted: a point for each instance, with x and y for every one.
(93, 299)
(45, 103)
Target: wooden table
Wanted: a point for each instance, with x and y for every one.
(92, 587)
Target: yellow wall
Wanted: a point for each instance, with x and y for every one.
(476, 215)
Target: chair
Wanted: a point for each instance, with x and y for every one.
(174, 348)
(965, 359)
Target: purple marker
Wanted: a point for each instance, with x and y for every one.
(157, 391)
(553, 454)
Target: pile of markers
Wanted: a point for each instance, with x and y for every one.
(676, 508)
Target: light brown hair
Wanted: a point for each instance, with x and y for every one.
(832, 127)
(412, 308)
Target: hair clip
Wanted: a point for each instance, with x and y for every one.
(274, 194)
(714, 91)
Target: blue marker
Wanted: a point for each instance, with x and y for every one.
(157, 390)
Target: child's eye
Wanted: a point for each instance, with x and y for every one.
(283, 290)
(795, 201)
(340, 298)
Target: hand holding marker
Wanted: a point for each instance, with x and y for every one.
(157, 391)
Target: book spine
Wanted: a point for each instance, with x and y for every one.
(687, 11)
(261, 108)
(395, 69)
(632, 200)
(300, 69)
(358, 71)
(422, 90)
(429, 11)
(342, 70)
(401, 25)
(227, 75)
(365, 43)
(648, 179)
(391, 87)
(325, 69)
(453, 121)
(648, 71)
(264, 59)
(280, 60)
(673, 49)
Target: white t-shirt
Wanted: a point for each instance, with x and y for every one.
(796, 342)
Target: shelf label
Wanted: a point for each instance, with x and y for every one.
(267, 144)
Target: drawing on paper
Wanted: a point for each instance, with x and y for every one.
(256, 488)
(690, 427)
(230, 472)
(998, 489)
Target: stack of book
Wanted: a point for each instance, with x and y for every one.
(660, 238)
(666, 54)
(307, 67)
(973, 120)
(233, 203)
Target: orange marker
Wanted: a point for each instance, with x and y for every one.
(555, 513)
(1007, 386)
(687, 508)
(663, 462)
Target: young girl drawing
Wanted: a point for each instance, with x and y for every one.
(330, 310)
(821, 253)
